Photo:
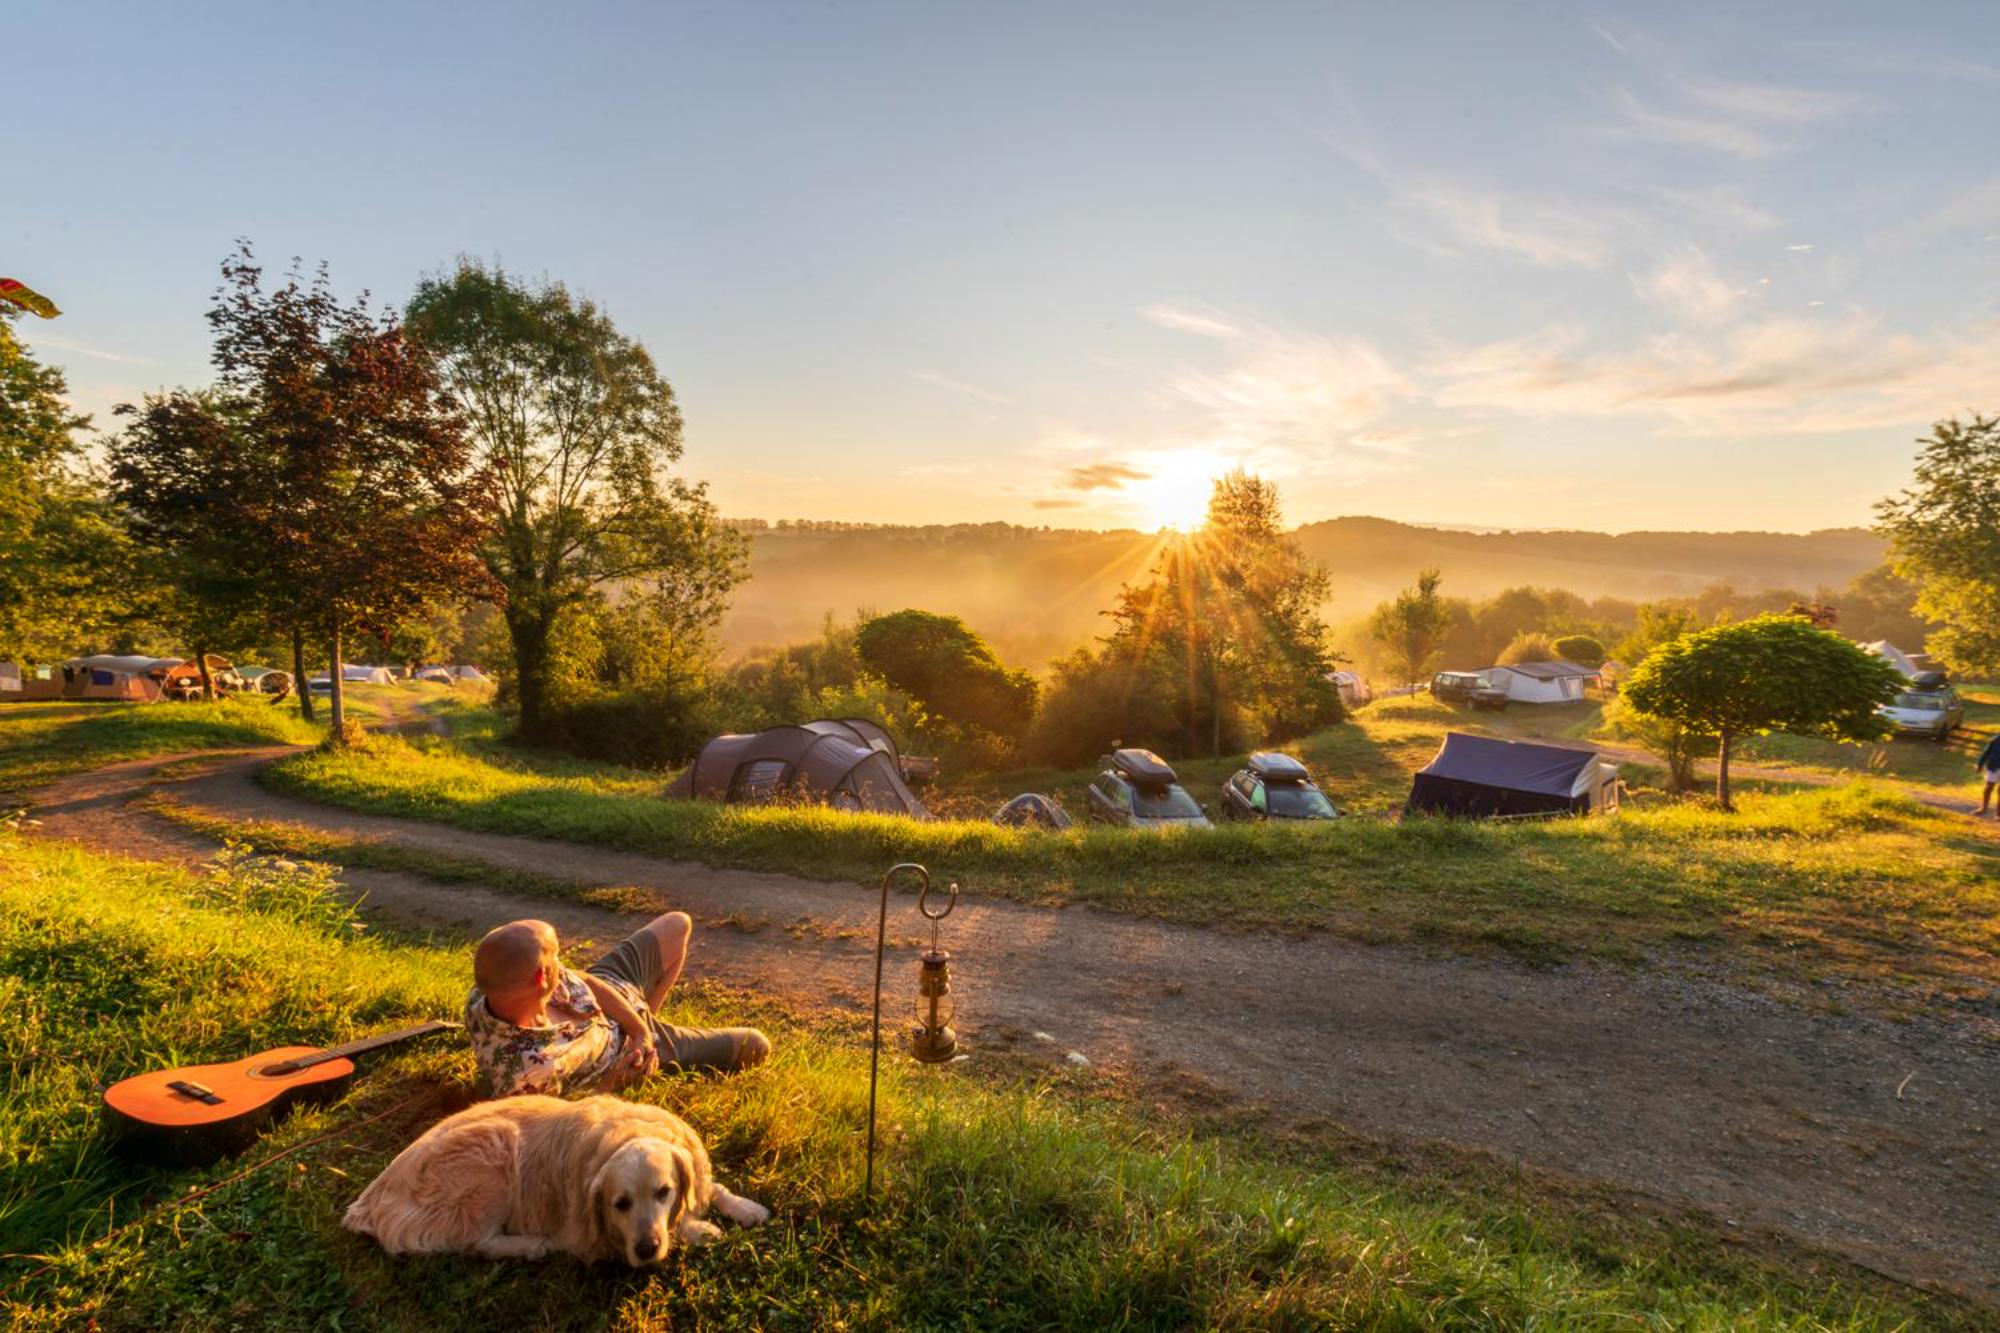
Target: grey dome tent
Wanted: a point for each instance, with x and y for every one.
(848, 763)
(1480, 776)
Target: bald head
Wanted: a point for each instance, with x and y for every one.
(512, 959)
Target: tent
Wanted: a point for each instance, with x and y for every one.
(355, 674)
(1031, 809)
(848, 763)
(1354, 691)
(116, 676)
(1541, 682)
(1480, 776)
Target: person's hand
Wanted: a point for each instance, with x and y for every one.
(639, 1059)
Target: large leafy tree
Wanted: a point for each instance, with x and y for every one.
(580, 429)
(1773, 673)
(61, 550)
(1944, 536)
(1233, 609)
(1412, 627)
(952, 673)
(326, 480)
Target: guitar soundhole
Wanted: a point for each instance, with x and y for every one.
(277, 1069)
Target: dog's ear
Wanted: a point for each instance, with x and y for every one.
(596, 1202)
(683, 1183)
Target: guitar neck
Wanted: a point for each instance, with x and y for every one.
(367, 1044)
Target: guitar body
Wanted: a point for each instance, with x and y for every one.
(191, 1116)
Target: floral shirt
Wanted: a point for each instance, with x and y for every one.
(580, 1047)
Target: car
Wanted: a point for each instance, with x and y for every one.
(1932, 714)
(1138, 789)
(1467, 687)
(1274, 786)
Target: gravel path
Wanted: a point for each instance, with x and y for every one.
(1872, 1139)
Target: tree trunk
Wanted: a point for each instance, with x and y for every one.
(201, 668)
(1722, 772)
(299, 673)
(530, 634)
(337, 701)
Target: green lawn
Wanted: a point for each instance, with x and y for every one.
(1922, 764)
(41, 742)
(1855, 882)
(1007, 1198)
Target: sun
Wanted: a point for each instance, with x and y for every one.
(1175, 494)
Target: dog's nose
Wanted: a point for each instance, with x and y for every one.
(645, 1247)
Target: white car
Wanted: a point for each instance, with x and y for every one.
(1932, 714)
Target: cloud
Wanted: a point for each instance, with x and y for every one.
(1687, 285)
(931, 377)
(1287, 391)
(1546, 232)
(1800, 249)
(1203, 321)
(1722, 136)
(1107, 476)
(1055, 504)
(1775, 101)
(61, 344)
(1779, 375)
(1716, 206)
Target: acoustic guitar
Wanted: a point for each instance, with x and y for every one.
(194, 1115)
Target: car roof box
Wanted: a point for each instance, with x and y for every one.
(1928, 680)
(1143, 767)
(1272, 766)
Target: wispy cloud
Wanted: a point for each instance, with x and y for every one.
(1548, 232)
(1055, 504)
(61, 344)
(936, 380)
(1717, 135)
(1106, 476)
(1774, 101)
(1202, 321)
(1774, 376)
(1716, 207)
(1687, 285)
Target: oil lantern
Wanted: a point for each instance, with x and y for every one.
(932, 1040)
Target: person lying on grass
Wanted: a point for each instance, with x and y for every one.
(536, 1026)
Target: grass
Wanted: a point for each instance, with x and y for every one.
(1920, 764)
(1005, 1200)
(1850, 883)
(43, 742)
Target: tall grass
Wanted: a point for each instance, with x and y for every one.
(1001, 1204)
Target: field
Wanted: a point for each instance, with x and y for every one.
(1854, 882)
(40, 742)
(1008, 1198)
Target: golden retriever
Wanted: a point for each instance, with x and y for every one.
(524, 1177)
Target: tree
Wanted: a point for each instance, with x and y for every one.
(580, 429)
(1412, 627)
(1581, 649)
(328, 463)
(1944, 536)
(61, 550)
(1774, 673)
(1234, 607)
(950, 671)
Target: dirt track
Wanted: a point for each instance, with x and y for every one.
(1872, 1139)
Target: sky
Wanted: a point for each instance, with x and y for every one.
(1504, 265)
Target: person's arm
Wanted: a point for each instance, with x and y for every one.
(641, 1057)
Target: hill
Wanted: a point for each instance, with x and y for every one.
(1037, 592)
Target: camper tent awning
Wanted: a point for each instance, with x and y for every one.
(1477, 775)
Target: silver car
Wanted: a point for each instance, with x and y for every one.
(1932, 714)
(1138, 789)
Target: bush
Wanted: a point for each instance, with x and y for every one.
(1528, 646)
(1095, 700)
(1580, 649)
(1676, 746)
(651, 726)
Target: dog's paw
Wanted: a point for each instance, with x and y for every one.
(694, 1231)
(743, 1212)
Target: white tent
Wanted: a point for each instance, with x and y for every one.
(355, 674)
(1353, 689)
(1541, 682)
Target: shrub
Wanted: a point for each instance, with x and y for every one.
(1528, 646)
(650, 726)
(1580, 649)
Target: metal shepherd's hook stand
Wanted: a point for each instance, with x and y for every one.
(933, 1042)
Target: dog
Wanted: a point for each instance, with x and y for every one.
(526, 1177)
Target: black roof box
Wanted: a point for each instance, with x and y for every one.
(1143, 767)
(1272, 766)
(1928, 680)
